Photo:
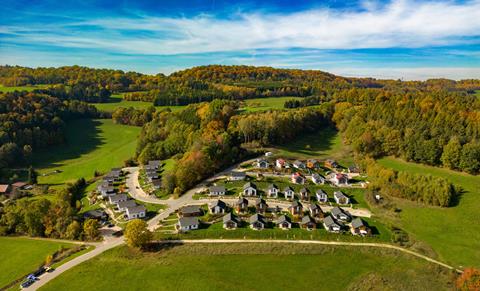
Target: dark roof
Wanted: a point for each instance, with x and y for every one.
(283, 218)
(219, 203)
(191, 209)
(249, 184)
(320, 191)
(304, 190)
(288, 188)
(260, 201)
(155, 163)
(237, 174)
(217, 189)
(230, 217)
(314, 206)
(272, 186)
(256, 217)
(96, 213)
(339, 194)
(329, 221)
(296, 203)
(337, 210)
(118, 197)
(128, 203)
(188, 221)
(136, 209)
(357, 222)
(306, 219)
(242, 200)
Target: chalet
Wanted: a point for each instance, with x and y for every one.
(19, 186)
(313, 164)
(289, 193)
(299, 164)
(272, 191)
(5, 189)
(138, 211)
(115, 199)
(257, 222)
(250, 189)
(308, 223)
(261, 205)
(190, 210)
(262, 164)
(284, 222)
(122, 205)
(318, 179)
(303, 194)
(95, 214)
(117, 172)
(340, 179)
(157, 184)
(155, 164)
(340, 214)
(151, 176)
(241, 205)
(113, 175)
(230, 221)
(218, 207)
(332, 164)
(359, 228)
(353, 169)
(322, 196)
(280, 163)
(315, 211)
(296, 208)
(187, 223)
(298, 178)
(217, 190)
(105, 189)
(331, 225)
(341, 198)
(237, 176)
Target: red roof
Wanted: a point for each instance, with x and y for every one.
(19, 184)
(3, 188)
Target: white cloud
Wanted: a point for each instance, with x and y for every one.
(401, 23)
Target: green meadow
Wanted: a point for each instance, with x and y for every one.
(90, 145)
(454, 232)
(245, 266)
(6, 89)
(116, 100)
(262, 104)
(21, 256)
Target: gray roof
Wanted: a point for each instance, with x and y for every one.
(298, 162)
(219, 203)
(357, 222)
(136, 209)
(238, 174)
(188, 221)
(128, 203)
(339, 194)
(328, 221)
(272, 186)
(304, 190)
(230, 217)
(242, 200)
(314, 206)
(256, 217)
(337, 211)
(288, 188)
(155, 163)
(217, 189)
(321, 192)
(249, 184)
(191, 209)
(296, 203)
(96, 213)
(260, 201)
(283, 218)
(306, 219)
(106, 188)
(317, 176)
(118, 197)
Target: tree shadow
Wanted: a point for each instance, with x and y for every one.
(158, 246)
(457, 196)
(82, 136)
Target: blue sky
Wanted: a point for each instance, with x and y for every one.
(383, 39)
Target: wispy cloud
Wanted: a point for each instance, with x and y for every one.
(400, 23)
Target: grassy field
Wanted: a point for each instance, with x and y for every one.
(477, 93)
(21, 256)
(116, 101)
(261, 104)
(454, 232)
(21, 88)
(326, 143)
(253, 267)
(91, 145)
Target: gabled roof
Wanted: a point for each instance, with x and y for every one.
(217, 189)
(190, 209)
(304, 190)
(136, 209)
(317, 176)
(256, 217)
(337, 211)
(321, 192)
(357, 222)
(314, 206)
(19, 184)
(296, 203)
(128, 203)
(259, 201)
(288, 188)
(230, 217)
(306, 219)
(117, 197)
(218, 203)
(298, 162)
(242, 200)
(272, 186)
(339, 194)
(283, 219)
(328, 221)
(248, 185)
(155, 163)
(188, 221)
(238, 174)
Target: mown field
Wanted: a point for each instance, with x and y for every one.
(21, 256)
(261, 104)
(116, 100)
(91, 145)
(20, 88)
(253, 267)
(454, 232)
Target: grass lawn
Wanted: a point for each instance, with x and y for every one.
(21, 256)
(454, 232)
(6, 89)
(246, 266)
(477, 93)
(261, 104)
(326, 143)
(91, 145)
(116, 100)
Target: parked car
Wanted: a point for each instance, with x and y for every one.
(26, 284)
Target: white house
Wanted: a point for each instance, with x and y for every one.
(339, 214)
(237, 176)
(138, 211)
(280, 163)
(299, 164)
(187, 223)
(322, 196)
(230, 221)
(331, 225)
(318, 179)
(288, 193)
(123, 205)
(341, 198)
(217, 190)
(272, 191)
(114, 199)
(284, 222)
(218, 207)
(250, 189)
(340, 179)
(263, 164)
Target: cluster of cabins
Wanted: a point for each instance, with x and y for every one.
(7, 189)
(272, 191)
(152, 173)
(106, 187)
(128, 206)
(307, 218)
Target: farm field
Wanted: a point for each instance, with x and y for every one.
(21, 88)
(452, 232)
(261, 104)
(20, 256)
(326, 143)
(91, 145)
(252, 267)
(116, 101)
